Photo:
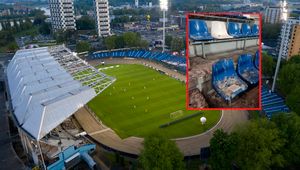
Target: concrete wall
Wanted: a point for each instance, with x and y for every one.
(219, 47)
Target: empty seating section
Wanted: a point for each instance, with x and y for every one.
(198, 30)
(179, 62)
(246, 69)
(246, 30)
(272, 103)
(201, 30)
(218, 30)
(225, 80)
(234, 29)
(256, 60)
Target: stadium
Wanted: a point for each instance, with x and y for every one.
(64, 106)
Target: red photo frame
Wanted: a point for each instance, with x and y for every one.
(187, 58)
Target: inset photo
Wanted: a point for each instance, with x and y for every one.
(223, 61)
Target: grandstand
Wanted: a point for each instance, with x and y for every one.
(272, 103)
(45, 87)
(171, 60)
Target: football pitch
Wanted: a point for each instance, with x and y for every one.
(142, 99)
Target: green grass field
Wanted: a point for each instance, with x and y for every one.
(142, 99)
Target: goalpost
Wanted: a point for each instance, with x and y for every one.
(176, 114)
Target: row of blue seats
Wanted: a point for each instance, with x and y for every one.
(144, 54)
(228, 81)
(198, 30)
(272, 103)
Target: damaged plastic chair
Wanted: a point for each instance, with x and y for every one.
(225, 81)
(246, 69)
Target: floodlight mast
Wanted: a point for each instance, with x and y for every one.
(164, 7)
(284, 19)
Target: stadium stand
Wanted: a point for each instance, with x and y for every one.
(234, 29)
(198, 30)
(246, 69)
(256, 60)
(218, 30)
(45, 84)
(225, 80)
(178, 62)
(272, 103)
(246, 30)
(255, 30)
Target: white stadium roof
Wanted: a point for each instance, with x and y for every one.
(49, 84)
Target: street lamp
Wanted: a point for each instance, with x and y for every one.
(164, 7)
(284, 19)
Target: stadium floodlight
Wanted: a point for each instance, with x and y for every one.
(283, 34)
(164, 7)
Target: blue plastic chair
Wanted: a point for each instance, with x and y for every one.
(246, 30)
(246, 69)
(256, 60)
(234, 29)
(223, 74)
(255, 30)
(198, 30)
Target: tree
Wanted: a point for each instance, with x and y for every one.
(168, 40)
(45, 28)
(270, 31)
(12, 47)
(294, 59)
(131, 39)
(110, 42)
(82, 46)
(259, 144)
(120, 42)
(160, 153)
(289, 77)
(177, 44)
(222, 147)
(268, 65)
(293, 98)
(289, 125)
(85, 23)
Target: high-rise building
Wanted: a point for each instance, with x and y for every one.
(102, 17)
(277, 14)
(290, 38)
(272, 15)
(62, 15)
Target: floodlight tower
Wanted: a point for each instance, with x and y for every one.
(164, 7)
(283, 34)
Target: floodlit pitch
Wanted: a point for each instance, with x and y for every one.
(143, 99)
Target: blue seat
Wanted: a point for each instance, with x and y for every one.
(198, 30)
(225, 80)
(255, 30)
(246, 30)
(234, 29)
(272, 103)
(246, 69)
(256, 60)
